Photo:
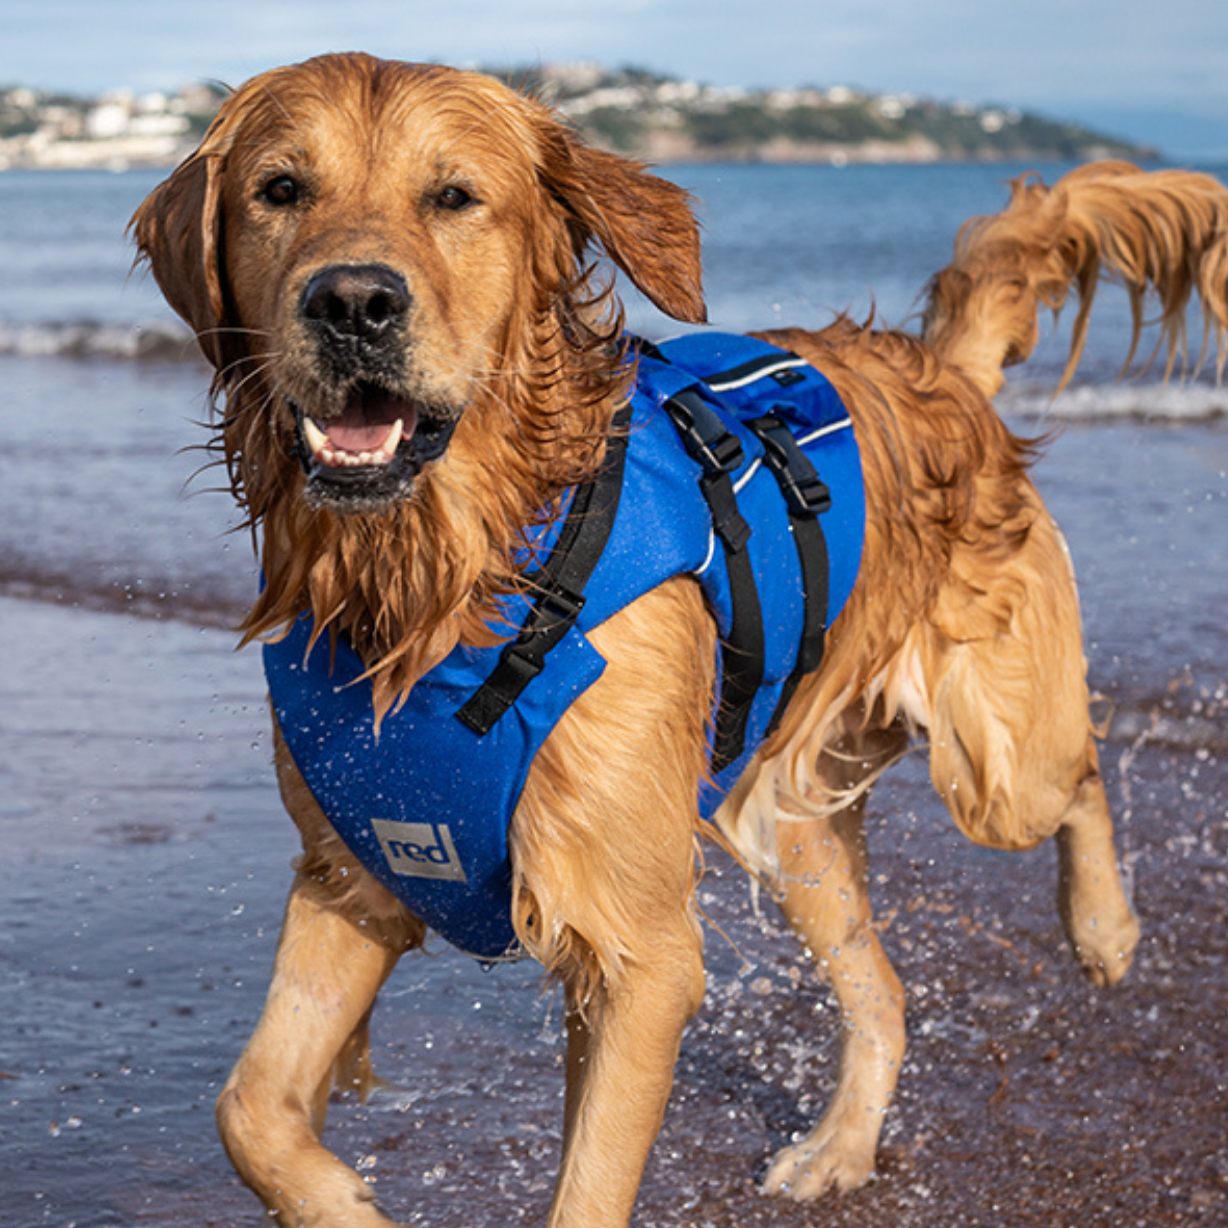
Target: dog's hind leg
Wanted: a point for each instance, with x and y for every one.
(824, 895)
(1102, 929)
(339, 941)
(1011, 751)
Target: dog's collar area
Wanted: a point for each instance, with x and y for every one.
(558, 586)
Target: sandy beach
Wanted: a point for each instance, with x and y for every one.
(146, 858)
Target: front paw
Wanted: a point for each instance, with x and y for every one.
(826, 1160)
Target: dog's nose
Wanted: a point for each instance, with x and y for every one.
(360, 302)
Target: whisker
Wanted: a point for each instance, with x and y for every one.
(235, 389)
(242, 330)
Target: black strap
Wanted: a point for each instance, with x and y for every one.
(719, 453)
(807, 497)
(558, 584)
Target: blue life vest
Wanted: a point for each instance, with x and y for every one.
(426, 807)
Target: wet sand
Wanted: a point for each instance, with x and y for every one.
(144, 865)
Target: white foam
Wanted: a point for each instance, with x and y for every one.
(94, 339)
(1194, 401)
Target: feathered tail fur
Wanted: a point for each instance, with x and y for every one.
(1163, 231)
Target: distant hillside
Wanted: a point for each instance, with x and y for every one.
(628, 110)
(634, 111)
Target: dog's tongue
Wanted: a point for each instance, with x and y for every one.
(369, 413)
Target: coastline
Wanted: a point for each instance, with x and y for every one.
(630, 111)
(118, 154)
(142, 153)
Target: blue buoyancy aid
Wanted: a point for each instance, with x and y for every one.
(426, 806)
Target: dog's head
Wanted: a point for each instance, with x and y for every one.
(370, 252)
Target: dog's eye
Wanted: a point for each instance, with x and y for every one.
(454, 198)
(282, 190)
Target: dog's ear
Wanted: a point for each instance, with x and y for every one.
(645, 224)
(178, 231)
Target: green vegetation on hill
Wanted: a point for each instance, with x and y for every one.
(636, 111)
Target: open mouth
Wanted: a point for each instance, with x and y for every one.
(370, 453)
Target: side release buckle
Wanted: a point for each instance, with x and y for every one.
(805, 493)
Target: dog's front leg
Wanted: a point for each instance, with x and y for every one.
(326, 976)
(341, 937)
(605, 850)
(622, 1047)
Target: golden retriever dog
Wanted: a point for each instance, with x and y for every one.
(390, 267)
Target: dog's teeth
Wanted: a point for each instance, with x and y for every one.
(392, 439)
(327, 453)
(317, 441)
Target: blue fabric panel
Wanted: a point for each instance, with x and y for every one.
(425, 807)
(808, 405)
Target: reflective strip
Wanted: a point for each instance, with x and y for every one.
(752, 469)
(824, 430)
(787, 364)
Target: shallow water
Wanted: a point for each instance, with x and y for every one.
(144, 856)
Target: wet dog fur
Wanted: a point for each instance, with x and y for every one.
(358, 242)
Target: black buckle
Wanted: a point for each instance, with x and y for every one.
(724, 455)
(727, 519)
(805, 493)
(521, 665)
(704, 435)
(553, 606)
(551, 616)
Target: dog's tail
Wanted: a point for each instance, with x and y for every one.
(1164, 231)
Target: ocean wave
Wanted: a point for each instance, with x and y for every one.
(94, 339)
(1179, 401)
(1194, 400)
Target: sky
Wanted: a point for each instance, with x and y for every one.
(1153, 71)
